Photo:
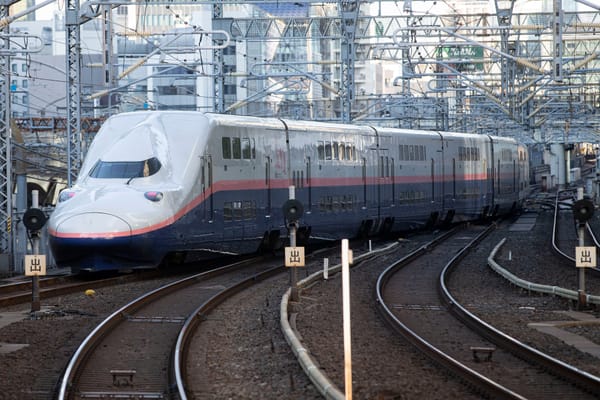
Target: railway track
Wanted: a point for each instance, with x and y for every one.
(18, 291)
(565, 232)
(141, 350)
(413, 299)
(129, 354)
(21, 291)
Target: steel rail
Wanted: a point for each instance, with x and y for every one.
(555, 231)
(179, 355)
(90, 342)
(519, 349)
(464, 372)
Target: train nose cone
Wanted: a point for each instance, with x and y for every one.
(93, 225)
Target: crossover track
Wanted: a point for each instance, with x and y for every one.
(413, 298)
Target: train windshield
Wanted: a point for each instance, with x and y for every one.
(125, 169)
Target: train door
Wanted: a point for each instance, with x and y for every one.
(491, 174)
(384, 182)
(206, 183)
(437, 172)
(301, 181)
(268, 164)
(373, 191)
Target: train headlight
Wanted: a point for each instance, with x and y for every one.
(153, 196)
(65, 195)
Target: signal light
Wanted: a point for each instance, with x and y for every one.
(34, 219)
(153, 196)
(292, 210)
(65, 195)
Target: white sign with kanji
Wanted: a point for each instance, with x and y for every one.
(35, 265)
(585, 256)
(294, 256)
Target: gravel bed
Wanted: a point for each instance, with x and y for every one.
(509, 308)
(376, 352)
(53, 336)
(264, 367)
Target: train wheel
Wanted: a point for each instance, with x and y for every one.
(365, 228)
(388, 223)
(448, 219)
(431, 222)
(173, 259)
(270, 242)
(484, 213)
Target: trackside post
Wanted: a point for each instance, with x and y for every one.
(35, 265)
(583, 209)
(294, 256)
(346, 261)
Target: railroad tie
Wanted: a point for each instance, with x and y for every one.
(122, 377)
(482, 353)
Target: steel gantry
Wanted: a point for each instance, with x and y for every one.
(513, 73)
(5, 139)
(525, 79)
(349, 12)
(73, 68)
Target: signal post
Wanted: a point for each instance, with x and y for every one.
(35, 265)
(585, 257)
(294, 256)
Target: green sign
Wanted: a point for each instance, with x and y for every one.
(463, 58)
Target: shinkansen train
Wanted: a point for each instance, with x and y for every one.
(158, 184)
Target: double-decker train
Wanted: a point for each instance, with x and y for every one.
(160, 183)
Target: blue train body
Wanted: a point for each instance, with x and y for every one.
(170, 182)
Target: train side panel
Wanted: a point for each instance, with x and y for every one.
(506, 175)
(248, 164)
(220, 182)
(412, 192)
(466, 190)
(330, 170)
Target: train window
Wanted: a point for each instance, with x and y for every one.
(469, 154)
(125, 169)
(253, 148)
(336, 151)
(237, 210)
(226, 144)
(227, 211)
(249, 210)
(151, 166)
(236, 147)
(246, 149)
(321, 150)
(328, 150)
(336, 205)
(347, 203)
